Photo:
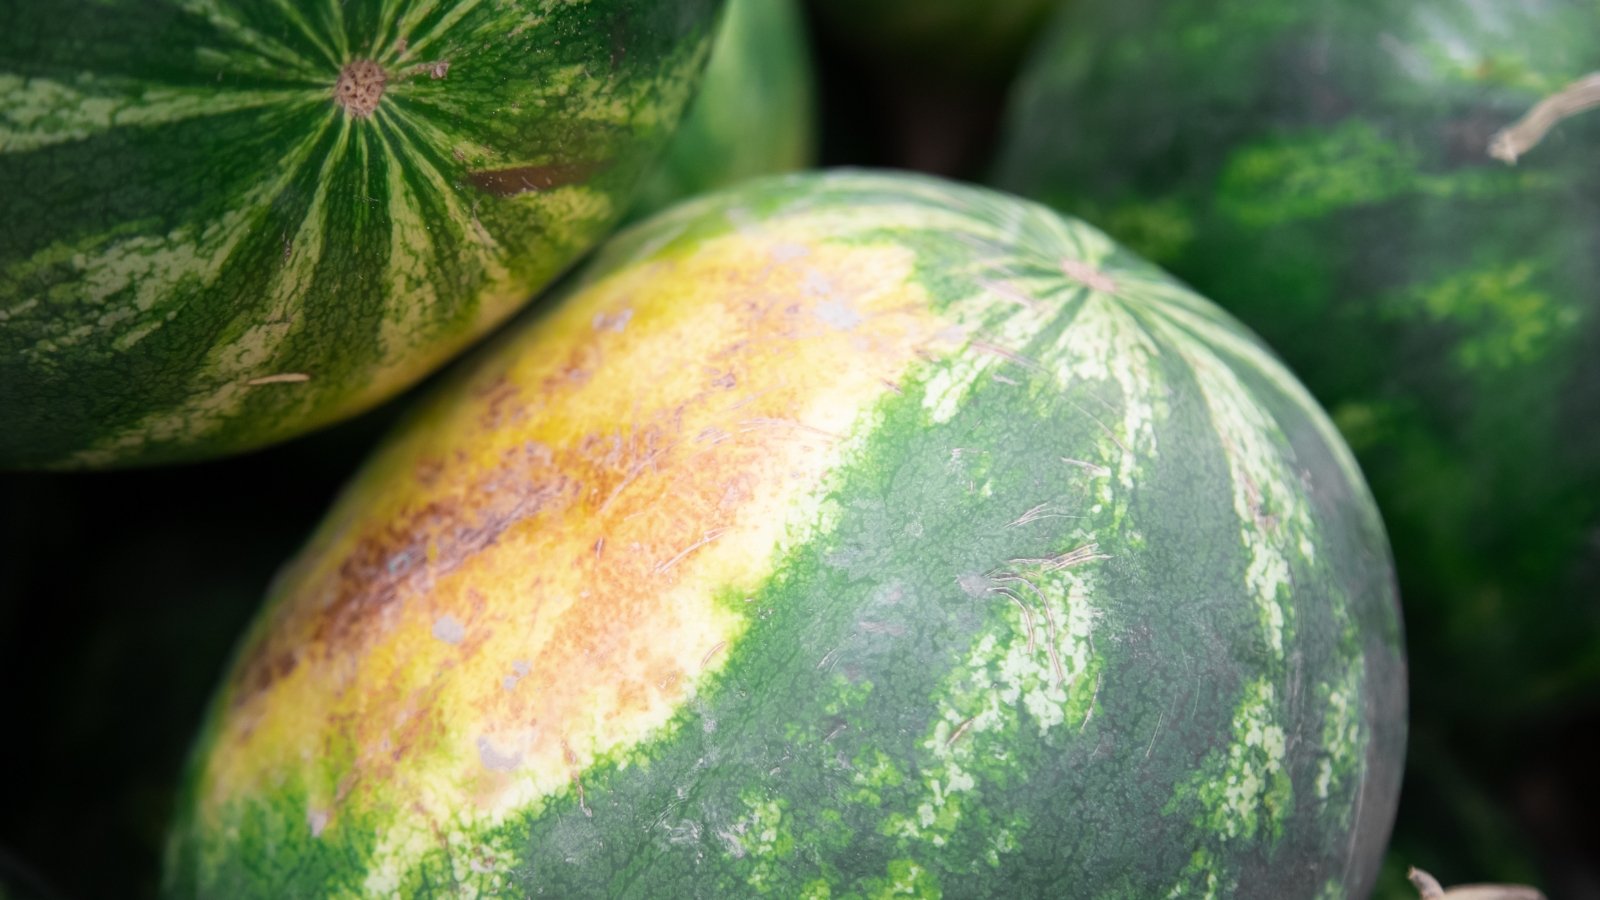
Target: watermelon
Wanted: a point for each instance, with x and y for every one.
(755, 111)
(1327, 171)
(839, 535)
(230, 223)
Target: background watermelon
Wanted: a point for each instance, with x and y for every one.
(754, 113)
(228, 223)
(842, 535)
(1322, 170)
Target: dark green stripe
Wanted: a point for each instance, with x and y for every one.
(57, 415)
(165, 178)
(348, 295)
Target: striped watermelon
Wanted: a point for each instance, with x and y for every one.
(232, 222)
(1326, 170)
(754, 114)
(842, 535)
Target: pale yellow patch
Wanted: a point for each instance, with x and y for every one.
(528, 577)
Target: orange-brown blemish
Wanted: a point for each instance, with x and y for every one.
(431, 543)
(576, 507)
(427, 471)
(501, 403)
(524, 179)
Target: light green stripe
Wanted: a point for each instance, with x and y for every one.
(413, 17)
(384, 40)
(426, 130)
(1274, 524)
(222, 17)
(1106, 343)
(413, 294)
(152, 265)
(39, 112)
(458, 11)
(231, 363)
(1206, 321)
(1343, 740)
(1244, 790)
(404, 151)
(1042, 670)
(291, 14)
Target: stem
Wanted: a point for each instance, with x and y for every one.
(1526, 133)
(1428, 888)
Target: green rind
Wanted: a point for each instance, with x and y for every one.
(827, 757)
(755, 113)
(188, 211)
(1322, 170)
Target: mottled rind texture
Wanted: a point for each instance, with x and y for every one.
(839, 536)
(204, 252)
(755, 112)
(1322, 170)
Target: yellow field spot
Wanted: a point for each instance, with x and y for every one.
(528, 577)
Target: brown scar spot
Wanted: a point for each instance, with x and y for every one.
(577, 371)
(960, 730)
(710, 536)
(272, 670)
(431, 542)
(280, 378)
(522, 179)
(427, 471)
(1007, 292)
(502, 403)
(1006, 354)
